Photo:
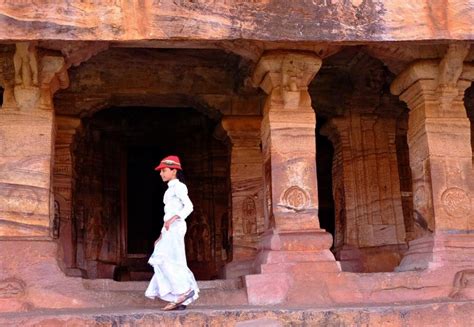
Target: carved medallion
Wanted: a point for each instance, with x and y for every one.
(295, 198)
(456, 202)
(23, 200)
(10, 288)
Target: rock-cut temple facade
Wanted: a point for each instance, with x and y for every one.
(327, 147)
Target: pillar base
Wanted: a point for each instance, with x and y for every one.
(238, 268)
(287, 257)
(443, 249)
(382, 258)
(31, 278)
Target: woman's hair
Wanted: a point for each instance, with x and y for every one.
(180, 175)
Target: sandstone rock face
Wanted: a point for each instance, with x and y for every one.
(257, 75)
(257, 20)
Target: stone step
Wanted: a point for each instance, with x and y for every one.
(457, 313)
(221, 292)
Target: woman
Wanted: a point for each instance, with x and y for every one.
(172, 281)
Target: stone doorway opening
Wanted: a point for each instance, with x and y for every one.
(469, 103)
(324, 160)
(116, 196)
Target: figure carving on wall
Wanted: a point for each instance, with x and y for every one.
(340, 206)
(96, 230)
(249, 216)
(226, 233)
(26, 65)
(56, 220)
(201, 237)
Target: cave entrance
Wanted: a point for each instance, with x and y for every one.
(118, 196)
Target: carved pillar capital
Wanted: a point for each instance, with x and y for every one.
(442, 82)
(286, 76)
(242, 130)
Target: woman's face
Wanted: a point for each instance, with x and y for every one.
(167, 174)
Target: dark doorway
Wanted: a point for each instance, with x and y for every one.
(324, 159)
(118, 195)
(145, 191)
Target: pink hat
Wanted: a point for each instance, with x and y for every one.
(171, 162)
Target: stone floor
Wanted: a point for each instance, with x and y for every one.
(457, 313)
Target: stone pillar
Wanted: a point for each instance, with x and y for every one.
(440, 159)
(26, 147)
(29, 274)
(63, 185)
(293, 240)
(370, 232)
(247, 191)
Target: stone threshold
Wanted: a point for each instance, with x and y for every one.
(140, 286)
(442, 313)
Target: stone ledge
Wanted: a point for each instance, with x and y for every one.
(457, 313)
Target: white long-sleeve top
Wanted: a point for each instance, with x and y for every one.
(176, 200)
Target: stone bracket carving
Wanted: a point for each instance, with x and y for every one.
(288, 72)
(36, 78)
(444, 75)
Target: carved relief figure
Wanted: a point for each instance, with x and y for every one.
(249, 216)
(56, 220)
(201, 238)
(226, 232)
(26, 65)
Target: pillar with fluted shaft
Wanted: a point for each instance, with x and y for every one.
(440, 159)
(293, 240)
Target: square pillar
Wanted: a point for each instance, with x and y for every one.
(440, 159)
(247, 191)
(26, 145)
(366, 187)
(293, 240)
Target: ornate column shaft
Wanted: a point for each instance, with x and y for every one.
(440, 158)
(366, 189)
(290, 184)
(247, 191)
(26, 147)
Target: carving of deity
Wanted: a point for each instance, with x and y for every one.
(26, 65)
(201, 238)
(226, 232)
(56, 220)
(249, 217)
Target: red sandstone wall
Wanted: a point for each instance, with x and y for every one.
(334, 20)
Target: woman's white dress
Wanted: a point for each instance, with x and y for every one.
(172, 276)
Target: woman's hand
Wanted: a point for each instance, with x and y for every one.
(170, 221)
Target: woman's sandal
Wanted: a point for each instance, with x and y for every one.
(174, 305)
